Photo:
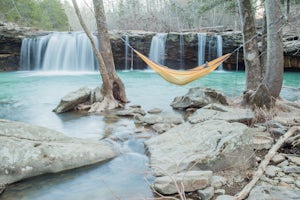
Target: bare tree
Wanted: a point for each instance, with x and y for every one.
(269, 88)
(112, 87)
(251, 58)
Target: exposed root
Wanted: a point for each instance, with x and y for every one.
(107, 104)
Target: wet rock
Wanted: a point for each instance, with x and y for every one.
(206, 193)
(160, 127)
(273, 192)
(190, 180)
(154, 111)
(213, 145)
(96, 95)
(28, 150)
(198, 98)
(131, 111)
(162, 119)
(219, 112)
(71, 100)
(138, 119)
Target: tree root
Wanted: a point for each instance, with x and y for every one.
(107, 104)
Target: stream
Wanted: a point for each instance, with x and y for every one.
(30, 96)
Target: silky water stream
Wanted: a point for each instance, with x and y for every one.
(31, 96)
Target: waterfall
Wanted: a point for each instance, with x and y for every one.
(126, 51)
(58, 52)
(181, 51)
(219, 49)
(201, 47)
(157, 49)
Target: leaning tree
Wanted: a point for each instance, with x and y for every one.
(113, 88)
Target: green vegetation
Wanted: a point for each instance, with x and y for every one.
(43, 14)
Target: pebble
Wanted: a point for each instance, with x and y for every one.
(291, 169)
(272, 170)
(218, 181)
(207, 193)
(297, 183)
(287, 179)
(225, 197)
(154, 111)
(294, 159)
(278, 158)
(220, 192)
(283, 184)
(284, 163)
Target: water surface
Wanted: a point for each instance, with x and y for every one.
(31, 96)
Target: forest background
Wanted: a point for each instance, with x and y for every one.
(150, 15)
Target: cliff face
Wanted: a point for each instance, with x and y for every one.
(176, 56)
(10, 44)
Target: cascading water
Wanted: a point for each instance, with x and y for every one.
(181, 51)
(219, 49)
(58, 52)
(201, 48)
(157, 49)
(126, 51)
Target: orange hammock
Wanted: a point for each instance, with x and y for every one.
(180, 77)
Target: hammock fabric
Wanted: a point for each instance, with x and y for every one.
(180, 77)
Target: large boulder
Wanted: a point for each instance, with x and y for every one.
(71, 100)
(198, 98)
(28, 150)
(209, 145)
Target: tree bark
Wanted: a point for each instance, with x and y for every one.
(106, 52)
(274, 68)
(251, 53)
(108, 86)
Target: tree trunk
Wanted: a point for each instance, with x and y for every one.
(274, 68)
(109, 101)
(251, 53)
(106, 52)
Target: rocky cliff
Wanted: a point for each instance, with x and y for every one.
(11, 40)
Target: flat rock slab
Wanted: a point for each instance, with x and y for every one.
(189, 181)
(210, 145)
(273, 193)
(28, 150)
(220, 112)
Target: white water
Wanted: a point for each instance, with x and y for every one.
(157, 49)
(126, 51)
(181, 51)
(58, 52)
(219, 50)
(201, 48)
